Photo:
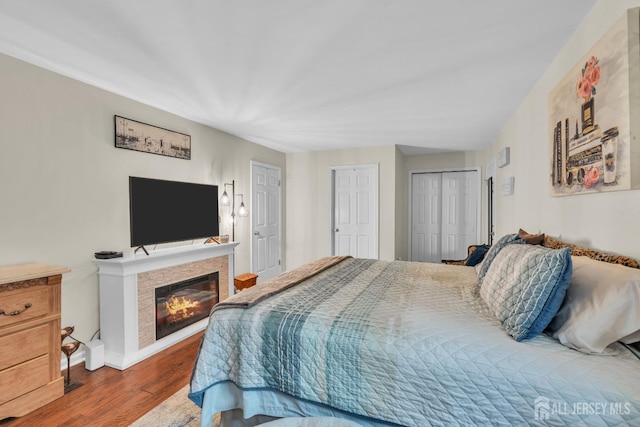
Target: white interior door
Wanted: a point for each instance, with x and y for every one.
(266, 238)
(355, 211)
(444, 214)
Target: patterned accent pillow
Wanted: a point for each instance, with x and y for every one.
(525, 286)
(481, 269)
(550, 242)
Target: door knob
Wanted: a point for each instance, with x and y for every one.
(337, 230)
(256, 233)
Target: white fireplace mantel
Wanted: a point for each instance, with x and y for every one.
(118, 279)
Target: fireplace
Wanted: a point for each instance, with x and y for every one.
(181, 304)
(127, 297)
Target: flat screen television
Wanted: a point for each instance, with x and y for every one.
(170, 211)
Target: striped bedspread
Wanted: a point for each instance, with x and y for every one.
(409, 344)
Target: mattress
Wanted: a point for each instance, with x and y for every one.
(401, 343)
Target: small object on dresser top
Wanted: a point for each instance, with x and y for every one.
(107, 254)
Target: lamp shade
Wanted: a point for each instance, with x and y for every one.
(224, 200)
(242, 210)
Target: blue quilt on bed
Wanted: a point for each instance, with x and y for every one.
(410, 344)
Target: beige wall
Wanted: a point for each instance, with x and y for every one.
(309, 200)
(401, 203)
(308, 181)
(607, 221)
(64, 186)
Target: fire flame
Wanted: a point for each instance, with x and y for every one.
(181, 305)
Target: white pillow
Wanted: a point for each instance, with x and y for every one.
(602, 306)
(630, 339)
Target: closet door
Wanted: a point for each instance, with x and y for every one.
(426, 213)
(444, 215)
(459, 213)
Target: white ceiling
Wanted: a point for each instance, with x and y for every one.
(298, 75)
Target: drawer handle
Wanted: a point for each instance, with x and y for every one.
(15, 313)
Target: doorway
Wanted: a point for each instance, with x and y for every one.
(265, 221)
(354, 211)
(444, 214)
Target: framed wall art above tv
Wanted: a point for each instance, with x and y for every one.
(594, 116)
(133, 135)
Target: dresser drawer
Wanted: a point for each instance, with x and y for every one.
(23, 378)
(23, 304)
(22, 346)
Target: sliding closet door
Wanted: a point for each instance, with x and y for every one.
(444, 214)
(426, 190)
(459, 213)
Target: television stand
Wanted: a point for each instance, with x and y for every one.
(141, 247)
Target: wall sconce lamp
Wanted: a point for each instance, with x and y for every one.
(227, 200)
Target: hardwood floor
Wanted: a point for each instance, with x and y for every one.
(109, 397)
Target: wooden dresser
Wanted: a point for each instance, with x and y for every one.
(30, 355)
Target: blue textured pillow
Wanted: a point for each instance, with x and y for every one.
(493, 251)
(525, 286)
(477, 255)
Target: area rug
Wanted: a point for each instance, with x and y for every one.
(176, 411)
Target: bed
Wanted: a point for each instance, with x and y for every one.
(386, 343)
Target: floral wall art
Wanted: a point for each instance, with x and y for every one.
(590, 110)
